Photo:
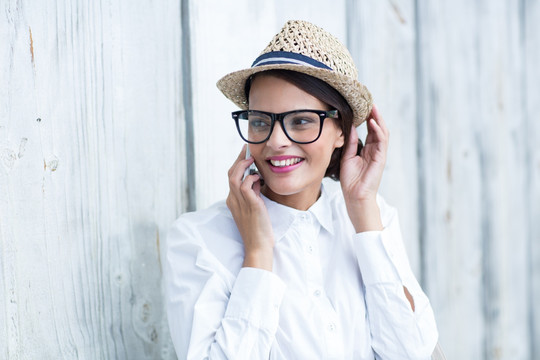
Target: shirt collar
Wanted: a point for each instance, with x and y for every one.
(322, 210)
(282, 217)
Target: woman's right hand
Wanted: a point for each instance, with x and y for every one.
(250, 214)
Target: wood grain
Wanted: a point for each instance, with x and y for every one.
(450, 171)
(389, 72)
(474, 156)
(108, 133)
(530, 75)
(90, 176)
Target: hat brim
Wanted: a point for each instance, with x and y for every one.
(357, 95)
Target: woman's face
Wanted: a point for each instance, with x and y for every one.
(297, 184)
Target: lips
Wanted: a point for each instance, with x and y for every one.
(282, 164)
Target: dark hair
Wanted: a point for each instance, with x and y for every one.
(327, 95)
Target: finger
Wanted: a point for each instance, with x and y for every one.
(246, 189)
(237, 172)
(376, 114)
(375, 133)
(239, 158)
(236, 175)
(242, 154)
(351, 146)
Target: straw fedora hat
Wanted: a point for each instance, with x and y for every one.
(303, 47)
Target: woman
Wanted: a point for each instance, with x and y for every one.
(294, 267)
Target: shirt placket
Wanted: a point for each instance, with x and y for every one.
(330, 330)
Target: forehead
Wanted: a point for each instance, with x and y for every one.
(274, 94)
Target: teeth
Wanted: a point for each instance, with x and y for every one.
(288, 162)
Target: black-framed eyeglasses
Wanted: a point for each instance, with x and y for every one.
(300, 126)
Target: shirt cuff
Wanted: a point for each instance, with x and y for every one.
(256, 297)
(374, 259)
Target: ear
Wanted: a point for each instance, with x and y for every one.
(340, 138)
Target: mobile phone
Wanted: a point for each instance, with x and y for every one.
(252, 169)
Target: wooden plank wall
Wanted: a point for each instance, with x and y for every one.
(381, 38)
(111, 126)
(473, 130)
(530, 73)
(90, 176)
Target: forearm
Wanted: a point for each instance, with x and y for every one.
(394, 299)
(213, 322)
(214, 307)
(247, 329)
(413, 335)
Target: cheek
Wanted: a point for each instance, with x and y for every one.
(321, 154)
(256, 153)
(337, 137)
(255, 150)
(332, 142)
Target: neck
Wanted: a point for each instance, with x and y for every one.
(300, 201)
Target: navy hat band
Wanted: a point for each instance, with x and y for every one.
(285, 57)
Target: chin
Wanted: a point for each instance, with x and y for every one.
(282, 188)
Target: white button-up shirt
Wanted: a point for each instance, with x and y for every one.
(332, 294)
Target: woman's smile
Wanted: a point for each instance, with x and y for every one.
(284, 163)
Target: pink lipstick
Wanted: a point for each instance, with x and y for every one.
(284, 163)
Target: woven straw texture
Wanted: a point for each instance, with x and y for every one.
(304, 38)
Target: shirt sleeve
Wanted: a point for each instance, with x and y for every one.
(211, 313)
(397, 332)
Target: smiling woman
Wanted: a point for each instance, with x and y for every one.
(292, 171)
(331, 99)
(298, 267)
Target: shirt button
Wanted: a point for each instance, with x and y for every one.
(331, 327)
(317, 293)
(310, 249)
(303, 217)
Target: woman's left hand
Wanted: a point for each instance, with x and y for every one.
(360, 175)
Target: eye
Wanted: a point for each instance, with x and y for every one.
(302, 121)
(258, 123)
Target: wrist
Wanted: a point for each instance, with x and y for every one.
(259, 258)
(365, 215)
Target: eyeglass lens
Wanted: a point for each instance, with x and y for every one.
(300, 126)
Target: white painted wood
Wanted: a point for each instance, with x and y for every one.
(473, 161)
(450, 175)
(531, 78)
(87, 191)
(381, 40)
(504, 153)
(90, 176)
(331, 16)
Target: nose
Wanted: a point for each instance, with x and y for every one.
(278, 139)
